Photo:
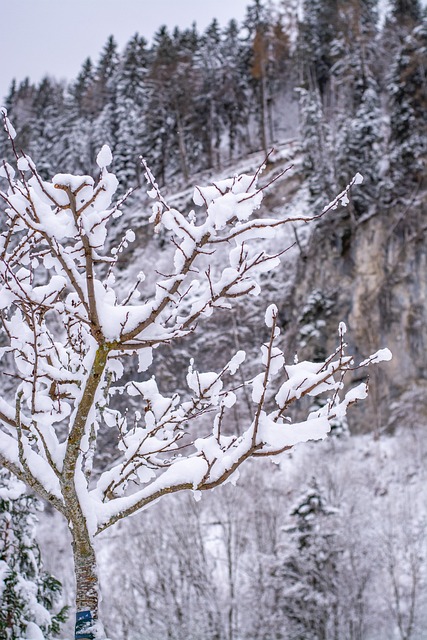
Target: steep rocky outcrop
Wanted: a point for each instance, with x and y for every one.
(371, 273)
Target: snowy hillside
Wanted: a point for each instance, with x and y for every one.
(140, 342)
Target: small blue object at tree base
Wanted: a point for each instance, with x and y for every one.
(84, 625)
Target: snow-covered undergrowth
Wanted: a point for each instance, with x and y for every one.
(238, 539)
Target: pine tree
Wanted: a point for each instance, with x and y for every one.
(306, 572)
(316, 145)
(132, 95)
(28, 594)
(72, 144)
(358, 148)
(341, 115)
(21, 106)
(159, 115)
(209, 68)
(234, 108)
(408, 106)
(357, 102)
(171, 130)
(184, 99)
(405, 14)
(316, 33)
(281, 76)
(83, 89)
(105, 72)
(48, 105)
(259, 28)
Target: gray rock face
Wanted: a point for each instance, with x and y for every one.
(371, 273)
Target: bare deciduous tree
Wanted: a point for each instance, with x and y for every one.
(68, 330)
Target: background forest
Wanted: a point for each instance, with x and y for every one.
(331, 544)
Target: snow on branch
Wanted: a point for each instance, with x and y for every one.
(68, 332)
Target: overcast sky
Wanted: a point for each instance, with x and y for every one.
(54, 37)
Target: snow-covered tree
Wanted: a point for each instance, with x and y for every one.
(130, 103)
(70, 327)
(316, 144)
(306, 572)
(209, 62)
(408, 103)
(357, 118)
(316, 32)
(234, 91)
(27, 593)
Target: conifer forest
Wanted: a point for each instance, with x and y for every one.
(213, 318)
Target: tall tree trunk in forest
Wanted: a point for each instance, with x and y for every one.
(181, 144)
(259, 72)
(263, 112)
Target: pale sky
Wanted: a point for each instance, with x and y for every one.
(54, 37)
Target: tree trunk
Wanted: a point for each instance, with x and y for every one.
(263, 117)
(87, 587)
(181, 146)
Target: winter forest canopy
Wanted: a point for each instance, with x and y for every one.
(331, 543)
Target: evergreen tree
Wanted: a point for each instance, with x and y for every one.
(83, 89)
(358, 148)
(48, 108)
(171, 129)
(281, 76)
(105, 72)
(27, 593)
(258, 27)
(160, 121)
(9, 99)
(234, 108)
(184, 99)
(21, 108)
(316, 146)
(316, 33)
(132, 96)
(208, 98)
(357, 112)
(72, 138)
(341, 115)
(102, 98)
(408, 106)
(306, 571)
(405, 14)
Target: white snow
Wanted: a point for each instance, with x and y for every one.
(104, 157)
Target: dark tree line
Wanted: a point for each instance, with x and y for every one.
(194, 101)
(189, 101)
(363, 98)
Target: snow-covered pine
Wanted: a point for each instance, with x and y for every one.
(407, 96)
(131, 94)
(357, 118)
(28, 594)
(305, 573)
(68, 334)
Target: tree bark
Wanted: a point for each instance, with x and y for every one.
(181, 145)
(87, 586)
